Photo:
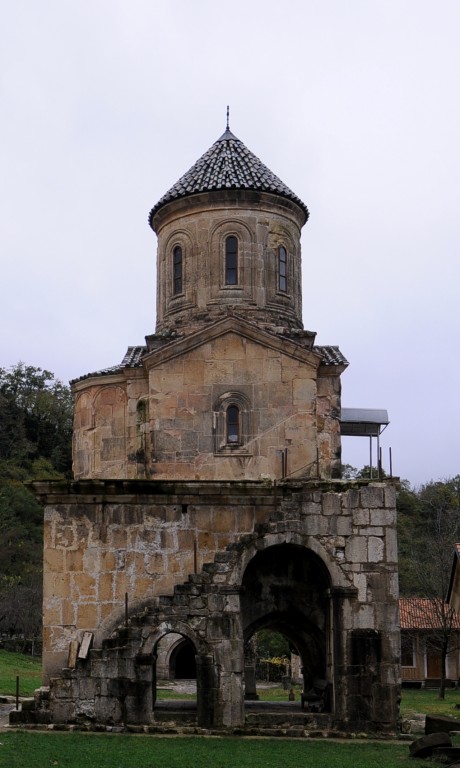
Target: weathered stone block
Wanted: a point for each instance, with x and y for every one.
(382, 517)
(391, 545)
(344, 526)
(331, 504)
(105, 587)
(356, 549)
(425, 746)
(376, 549)
(360, 516)
(87, 615)
(372, 497)
(85, 586)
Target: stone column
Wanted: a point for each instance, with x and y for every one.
(207, 685)
(341, 597)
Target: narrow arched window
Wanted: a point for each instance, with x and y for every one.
(177, 270)
(282, 269)
(233, 425)
(231, 260)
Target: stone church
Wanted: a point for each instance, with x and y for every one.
(207, 502)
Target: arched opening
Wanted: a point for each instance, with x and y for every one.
(285, 590)
(282, 269)
(233, 425)
(231, 260)
(177, 270)
(174, 684)
(182, 661)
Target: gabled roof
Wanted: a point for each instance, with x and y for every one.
(330, 356)
(228, 164)
(424, 613)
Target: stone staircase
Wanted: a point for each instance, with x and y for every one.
(115, 658)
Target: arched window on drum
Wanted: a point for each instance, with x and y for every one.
(177, 270)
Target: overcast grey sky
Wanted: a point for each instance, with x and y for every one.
(353, 103)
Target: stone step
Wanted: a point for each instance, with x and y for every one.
(174, 717)
(276, 718)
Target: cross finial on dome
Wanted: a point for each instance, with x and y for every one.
(228, 118)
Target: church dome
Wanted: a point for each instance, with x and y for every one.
(228, 164)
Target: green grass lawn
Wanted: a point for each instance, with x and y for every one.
(85, 750)
(428, 702)
(29, 670)
(79, 750)
(265, 694)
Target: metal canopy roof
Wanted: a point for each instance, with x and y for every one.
(363, 422)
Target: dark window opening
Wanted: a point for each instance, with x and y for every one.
(282, 268)
(177, 270)
(407, 651)
(233, 425)
(231, 260)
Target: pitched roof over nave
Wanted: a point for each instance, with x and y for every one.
(133, 358)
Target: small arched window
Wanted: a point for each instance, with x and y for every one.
(282, 269)
(231, 260)
(177, 270)
(233, 425)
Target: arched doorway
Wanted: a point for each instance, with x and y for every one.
(174, 654)
(182, 661)
(286, 590)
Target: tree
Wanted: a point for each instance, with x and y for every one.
(430, 529)
(35, 443)
(35, 417)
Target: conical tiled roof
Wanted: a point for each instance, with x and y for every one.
(228, 164)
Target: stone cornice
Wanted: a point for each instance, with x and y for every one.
(239, 327)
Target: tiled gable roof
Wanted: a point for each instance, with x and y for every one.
(424, 613)
(133, 359)
(331, 355)
(228, 164)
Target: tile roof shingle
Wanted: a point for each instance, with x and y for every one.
(133, 359)
(228, 164)
(424, 613)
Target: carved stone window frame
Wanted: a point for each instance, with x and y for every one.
(174, 302)
(222, 445)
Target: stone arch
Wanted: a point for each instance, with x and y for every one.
(109, 423)
(245, 411)
(207, 674)
(187, 298)
(280, 235)
(244, 290)
(152, 635)
(286, 588)
(142, 435)
(338, 577)
(82, 443)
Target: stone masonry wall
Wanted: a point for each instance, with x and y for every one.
(105, 539)
(261, 222)
(171, 425)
